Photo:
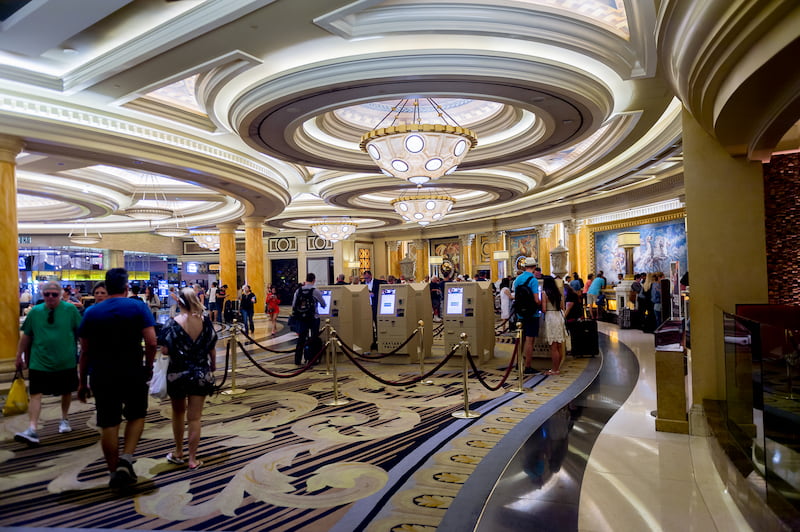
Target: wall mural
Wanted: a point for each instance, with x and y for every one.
(661, 244)
(450, 251)
(521, 246)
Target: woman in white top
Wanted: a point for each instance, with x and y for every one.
(555, 332)
(506, 298)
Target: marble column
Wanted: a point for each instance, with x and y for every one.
(394, 249)
(254, 257)
(227, 259)
(544, 231)
(420, 253)
(467, 245)
(572, 228)
(9, 245)
(113, 258)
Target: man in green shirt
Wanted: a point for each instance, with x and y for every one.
(48, 347)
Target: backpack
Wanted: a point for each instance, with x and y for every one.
(524, 303)
(304, 305)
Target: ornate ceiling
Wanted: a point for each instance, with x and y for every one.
(256, 107)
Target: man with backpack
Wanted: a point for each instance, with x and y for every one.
(526, 306)
(304, 311)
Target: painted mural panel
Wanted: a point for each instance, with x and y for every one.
(661, 243)
(521, 246)
(450, 251)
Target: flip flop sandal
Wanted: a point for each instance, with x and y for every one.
(172, 459)
(197, 466)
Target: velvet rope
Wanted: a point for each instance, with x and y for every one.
(503, 380)
(289, 375)
(347, 351)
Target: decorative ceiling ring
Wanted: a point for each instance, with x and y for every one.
(571, 103)
(300, 221)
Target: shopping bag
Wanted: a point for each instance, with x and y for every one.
(17, 400)
(158, 384)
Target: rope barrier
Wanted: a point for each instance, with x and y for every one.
(505, 375)
(291, 374)
(221, 385)
(379, 356)
(346, 350)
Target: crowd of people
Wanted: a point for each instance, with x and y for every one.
(118, 345)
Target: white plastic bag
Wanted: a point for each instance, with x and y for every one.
(158, 384)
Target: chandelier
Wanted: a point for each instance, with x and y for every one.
(85, 239)
(207, 239)
(151, 210)
(171, 231)
(333, 229)
(415, 151)
(422, 207)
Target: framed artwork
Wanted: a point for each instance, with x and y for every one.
(522, 246)
(484, 249)
(661, 244)
(450, 251)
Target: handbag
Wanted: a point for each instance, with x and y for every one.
(294, 324)
(17, 400)
(158, 384)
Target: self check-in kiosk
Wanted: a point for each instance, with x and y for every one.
(469, 308)
(348, 308)
(400, 308)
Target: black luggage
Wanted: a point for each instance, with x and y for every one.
(312, 347)
(629, 319)
(583, 335)
(231, 312)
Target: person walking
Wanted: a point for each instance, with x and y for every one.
(152, 300)
(304, 309)
(555, 334)
(48, 348)
(114, 368)
(247, 304)
(273, 309)
(189, 340)
(213, 307)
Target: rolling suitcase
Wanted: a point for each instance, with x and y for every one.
(583, 335)
(629, 319)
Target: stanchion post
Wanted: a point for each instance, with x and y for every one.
(328, 337)
(334, 340)
(234, 342)
(519, 388)
(466, 413)
(421, 351)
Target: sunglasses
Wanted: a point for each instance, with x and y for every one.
(51, 317)
(51, 294)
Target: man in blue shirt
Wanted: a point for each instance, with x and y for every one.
(594, 292)
(117, 370)
(530, 323)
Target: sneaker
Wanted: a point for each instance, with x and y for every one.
(29, 436)
(64, 426)
(126, 472)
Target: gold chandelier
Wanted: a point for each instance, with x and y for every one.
(423, 207)
(333, 229)
(416, 151)
(150, 210)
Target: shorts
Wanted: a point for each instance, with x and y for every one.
(530, 326)
(61, 382)
(117, 397)
(591, 299)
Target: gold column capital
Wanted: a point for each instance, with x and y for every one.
(227, 228)
(254, 221)
(10, 147)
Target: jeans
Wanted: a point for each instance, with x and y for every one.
(308, 330)
(247, 321)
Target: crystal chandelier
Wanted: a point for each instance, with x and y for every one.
(423, 207)
(415, 151)
(333, 229)
(85, 239)
(207, 239)
(151, 210)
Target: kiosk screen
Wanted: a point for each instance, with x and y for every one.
(455, 300)
(326, 295)
(387, 302)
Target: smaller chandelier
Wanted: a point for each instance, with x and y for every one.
(418, 152)
(332, 229)
(171, 231)
(423, 208)
(206, 239)
(148, 213)
(85, 239)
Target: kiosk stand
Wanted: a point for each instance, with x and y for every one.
(349, 312)
(469, 308)
(400, 308)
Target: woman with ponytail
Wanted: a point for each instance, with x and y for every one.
(190, 341)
